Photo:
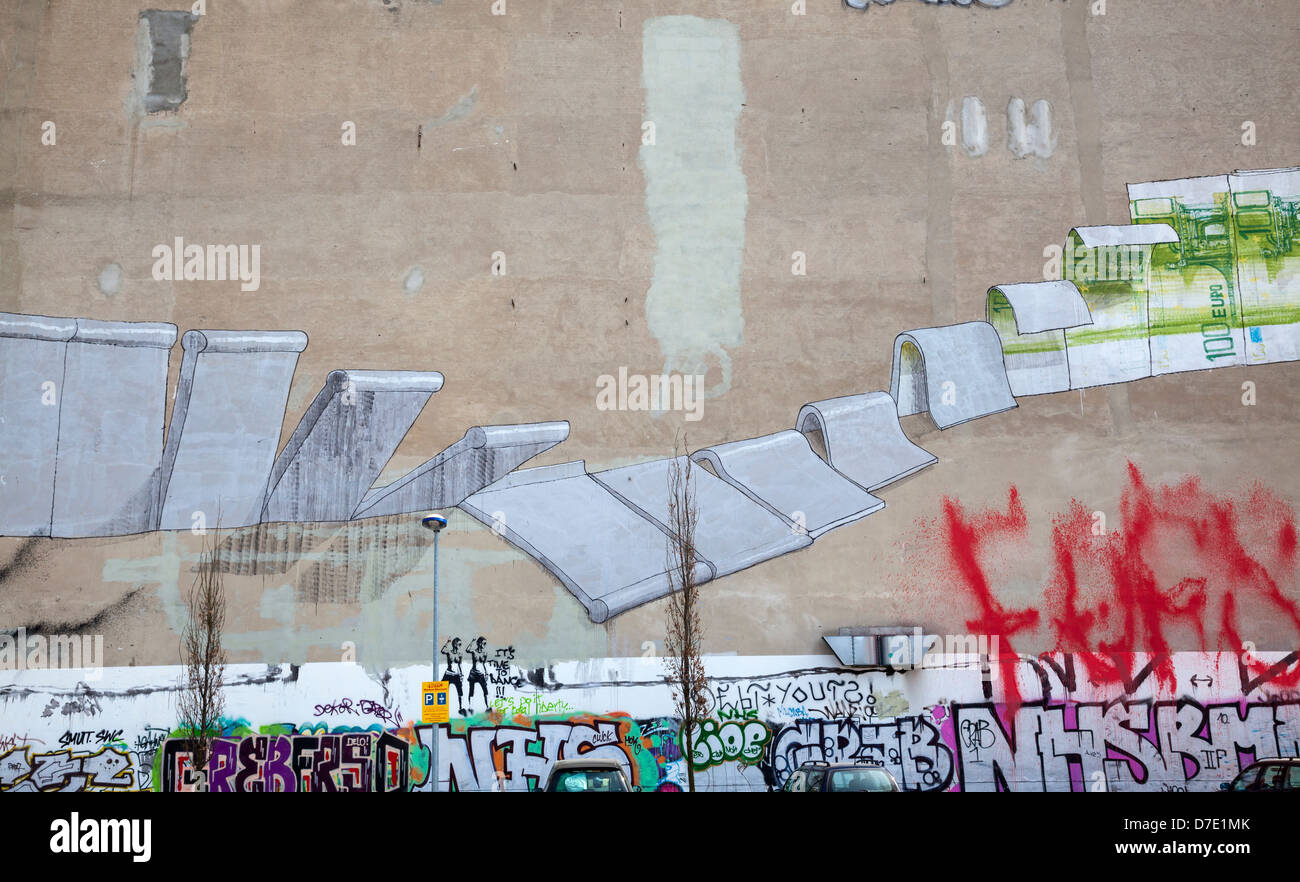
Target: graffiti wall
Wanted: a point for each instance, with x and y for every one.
(1000, 347)
(948, 725)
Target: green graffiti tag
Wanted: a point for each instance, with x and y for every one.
(714, 743)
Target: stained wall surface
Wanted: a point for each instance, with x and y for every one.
(545, 205)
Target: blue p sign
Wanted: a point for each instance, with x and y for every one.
(428, 698)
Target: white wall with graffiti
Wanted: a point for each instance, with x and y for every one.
(1189, 721)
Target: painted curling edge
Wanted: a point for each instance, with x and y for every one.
(1041, 306)
(150, 335)
(880, 409)
(543, 435)
(339, 382)
(1107, 235)
(915, 338)
(37, 327)
(606, 606)
(712, 456)
(750, 556)
(207, 341)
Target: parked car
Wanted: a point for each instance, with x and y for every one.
(587, 776)
(1275, 773)
(855, 777)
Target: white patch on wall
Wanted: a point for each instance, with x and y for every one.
(1032, 137)
(414, 280)
(110, 279)
(974, 127)
(696, 194)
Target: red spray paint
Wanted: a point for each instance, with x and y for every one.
(1182, 561)
(964, 539)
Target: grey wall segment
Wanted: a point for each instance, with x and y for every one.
(484, 456)
(164, 48)
(1033, 341)
(732, 532)
(32, 351)
(955, 372)
(343, 442)
(225, 427)
(111, 428)
(781, 472)
(864, 440)
(609, 556)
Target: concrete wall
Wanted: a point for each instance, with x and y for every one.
(1082, 723)
(499, 220)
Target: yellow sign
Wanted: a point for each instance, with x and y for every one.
(434, 702)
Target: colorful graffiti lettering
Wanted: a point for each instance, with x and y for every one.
(354, 762)
(65, 771)
(1142, 745)
(714, 743)
(490, 752)
(911, 748)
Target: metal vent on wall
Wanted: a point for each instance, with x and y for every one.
(891, 647)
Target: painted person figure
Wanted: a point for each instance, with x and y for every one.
(478, 654)
(453, 674)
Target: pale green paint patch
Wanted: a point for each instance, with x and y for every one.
(277, 604)
(457, 112)
(891, 704)
(393, 624)
(696, 194)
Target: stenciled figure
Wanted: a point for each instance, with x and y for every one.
(453, 673)
(478, 654)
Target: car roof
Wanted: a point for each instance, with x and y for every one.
(599, 763)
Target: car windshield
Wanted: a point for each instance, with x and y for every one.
(587, 781)
(860, 780)
(1246, 778)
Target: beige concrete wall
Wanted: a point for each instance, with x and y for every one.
(520, 133)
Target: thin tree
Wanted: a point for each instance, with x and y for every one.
(684, 632)
(201, 702)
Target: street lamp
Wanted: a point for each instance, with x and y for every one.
(434, 522)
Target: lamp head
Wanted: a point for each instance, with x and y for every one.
(434, 522)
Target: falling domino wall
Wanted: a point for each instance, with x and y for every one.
(1206, 275)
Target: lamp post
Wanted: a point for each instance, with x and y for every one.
(434, 522)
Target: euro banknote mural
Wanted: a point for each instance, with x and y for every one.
(1205, 276)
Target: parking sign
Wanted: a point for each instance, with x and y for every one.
(434, 702)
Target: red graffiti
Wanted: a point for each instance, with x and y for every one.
(964, 539)
(1176, 573)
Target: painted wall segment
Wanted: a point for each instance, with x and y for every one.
(484, 456)
(343, 442)
(782, 473)
(955, 372)
(863, 438)
(1031, 319)
(32, 352)
(225, 427)
(111, 428)
(609, 556)
(733, 532)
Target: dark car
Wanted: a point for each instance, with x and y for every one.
(1277, 773)
(857, 777)
(587, 776)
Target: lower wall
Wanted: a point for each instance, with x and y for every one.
(1068, 722)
